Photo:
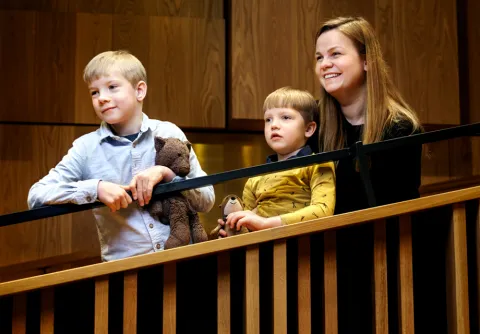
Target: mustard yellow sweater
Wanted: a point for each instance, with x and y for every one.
(295, 195)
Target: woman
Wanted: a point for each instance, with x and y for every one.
(359, 102)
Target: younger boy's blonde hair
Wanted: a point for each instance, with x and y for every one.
(122, 61)
(299, 100)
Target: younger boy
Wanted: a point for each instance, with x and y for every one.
(293, 195)
(119, 156)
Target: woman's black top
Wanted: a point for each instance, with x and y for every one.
(395, 174)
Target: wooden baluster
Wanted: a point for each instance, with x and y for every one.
(380, 277)
(252, 290)
(477, 247)
(223, 293)
(130, 302)
(330, 282)
(304, 286)
(457, 273)
(169, 298)
(19, 314)
(101, 305)
(47, 311)
(280, 287)
(405, 276)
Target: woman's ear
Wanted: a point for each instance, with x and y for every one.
(310, 129)
(141, 90)
(365, 67)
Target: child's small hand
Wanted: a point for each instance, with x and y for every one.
(246, 218)
(142, 184)
(221, 233)
(113, 195)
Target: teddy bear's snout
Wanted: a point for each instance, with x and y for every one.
(183, 171)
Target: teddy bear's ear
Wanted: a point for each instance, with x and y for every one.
(159, 143)
(188, 145)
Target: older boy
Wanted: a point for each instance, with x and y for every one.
(294, 195)
(121, 152)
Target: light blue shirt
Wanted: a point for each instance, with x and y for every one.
(101, 155)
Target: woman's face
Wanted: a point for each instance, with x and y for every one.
(340, 69)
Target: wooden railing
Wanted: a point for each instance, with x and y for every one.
(275, 280)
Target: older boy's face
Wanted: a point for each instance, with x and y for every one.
(285, 130)
(115, 100)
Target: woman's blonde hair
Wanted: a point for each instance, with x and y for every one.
(385, 105)
(122, 61)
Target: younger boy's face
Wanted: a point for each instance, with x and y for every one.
(285, 130)
(115, 100)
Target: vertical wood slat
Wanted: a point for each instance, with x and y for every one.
(101, 305)
(252, 290)
(477, 244)
(280, 287)
(380, 277)
(330, 282)
(19, 314)
(47, 311)
(405, 276)
(457, 273)
(169, 298)
(304, 286)
(130, 302)
(223, 293)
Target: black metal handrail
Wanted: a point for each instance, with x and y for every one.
(358, 151)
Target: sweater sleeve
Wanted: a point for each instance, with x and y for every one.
(322, 204)
(64, 183)
(249, 201)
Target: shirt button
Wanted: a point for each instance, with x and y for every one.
(89, 199)
(158, 246)
(151, 225)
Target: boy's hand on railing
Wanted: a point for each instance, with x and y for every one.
(142, 184)
(113, 195)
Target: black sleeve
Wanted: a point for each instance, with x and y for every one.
(396, 174)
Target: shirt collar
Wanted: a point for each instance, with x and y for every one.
(105, 130)
(304, 151)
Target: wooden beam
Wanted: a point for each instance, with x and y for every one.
(220, 245)
(457, 273)
(380, 277)
(405, 276)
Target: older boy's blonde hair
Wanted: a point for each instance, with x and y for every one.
(122, 61)
(299, 100)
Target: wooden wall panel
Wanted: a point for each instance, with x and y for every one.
(273, 45)
(424, 62)
(36, 150)
(93, 35)
(17, 63)
(187, 68)
(54, 68)
(46, 46)
(420, 47)
(184, 8)
(473, 72)
(473, 35)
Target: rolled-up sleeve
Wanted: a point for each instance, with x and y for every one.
(64, 184)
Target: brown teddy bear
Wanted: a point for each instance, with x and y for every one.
(231, 203)
(175, 154)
